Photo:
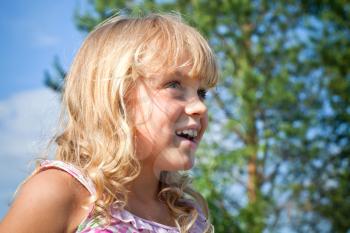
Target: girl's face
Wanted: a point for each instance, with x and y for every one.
(170, 119)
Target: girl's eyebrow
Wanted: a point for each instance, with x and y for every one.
(161, 78)
(177, 75)
(172, 75)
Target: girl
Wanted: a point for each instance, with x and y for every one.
(134, 115)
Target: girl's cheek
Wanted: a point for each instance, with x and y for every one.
(204, 122)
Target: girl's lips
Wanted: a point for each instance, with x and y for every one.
(192, 143)
(196, 127)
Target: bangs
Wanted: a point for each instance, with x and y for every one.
(167, 46)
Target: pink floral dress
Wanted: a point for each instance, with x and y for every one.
(122, 220)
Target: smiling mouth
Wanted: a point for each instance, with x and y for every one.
(187, 134)
(186, 137)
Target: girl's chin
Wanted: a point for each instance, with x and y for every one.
(175, 161)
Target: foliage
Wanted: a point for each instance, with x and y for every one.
(278, 149)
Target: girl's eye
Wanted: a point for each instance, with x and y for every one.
(174, 84)
(202, 93)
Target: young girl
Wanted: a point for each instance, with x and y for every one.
(134, 116)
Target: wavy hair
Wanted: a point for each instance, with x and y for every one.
(97, 134)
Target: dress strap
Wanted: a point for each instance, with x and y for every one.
(72, 170)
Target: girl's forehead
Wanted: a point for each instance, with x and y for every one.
(182, 64)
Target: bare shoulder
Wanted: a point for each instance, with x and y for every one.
(50, 201)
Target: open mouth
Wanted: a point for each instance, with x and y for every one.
(187, 134)
(186, 137)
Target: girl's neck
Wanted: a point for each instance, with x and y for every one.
(143, 198)
(145, 187)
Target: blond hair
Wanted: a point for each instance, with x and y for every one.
(97, 135)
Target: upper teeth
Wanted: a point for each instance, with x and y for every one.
(190, 132)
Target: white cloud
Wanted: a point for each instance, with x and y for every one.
(42, 39)
(27, 121)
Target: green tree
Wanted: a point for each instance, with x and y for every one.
(328, 194)
(277, 152)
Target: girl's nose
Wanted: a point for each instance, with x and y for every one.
(196, 107)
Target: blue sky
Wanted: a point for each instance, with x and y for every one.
(32, 33)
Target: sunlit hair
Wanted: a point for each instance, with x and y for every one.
(98, 134)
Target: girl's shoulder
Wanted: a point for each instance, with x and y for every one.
(51, 200)
(74, 172)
